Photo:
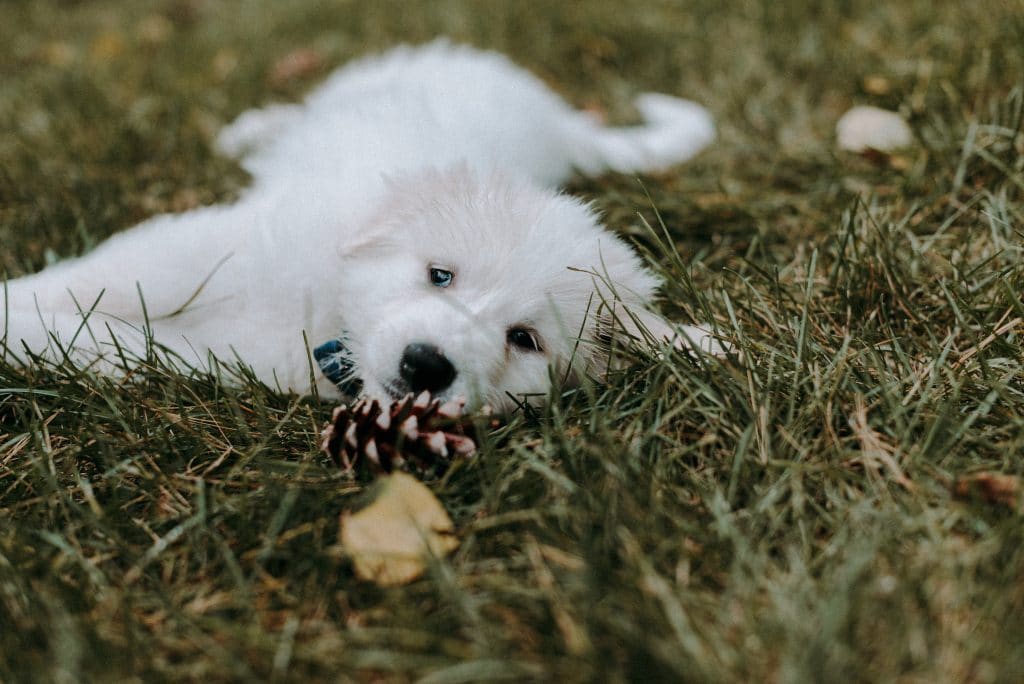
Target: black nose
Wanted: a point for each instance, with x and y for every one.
(424, 367)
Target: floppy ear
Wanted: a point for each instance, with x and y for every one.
(366, 244)
(374, 236)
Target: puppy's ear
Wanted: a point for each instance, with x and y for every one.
(373, 237)
(399, 207)
(638, 325)
(364, 246)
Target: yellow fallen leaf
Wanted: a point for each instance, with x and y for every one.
(391, 541)
(107, 46)
(877, 85)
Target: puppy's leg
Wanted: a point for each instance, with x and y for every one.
(142, 279)
(159, 266)
(107, 344)
(646, 326)
(87, 339)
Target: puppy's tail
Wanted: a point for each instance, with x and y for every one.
(673, 131)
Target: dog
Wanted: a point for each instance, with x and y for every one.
(403, 226)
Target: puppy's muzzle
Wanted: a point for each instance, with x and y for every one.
(425, 367)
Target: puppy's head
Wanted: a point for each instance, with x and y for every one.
(478, 287)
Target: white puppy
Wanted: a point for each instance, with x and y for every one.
(402, 221)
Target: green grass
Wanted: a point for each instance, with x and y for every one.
(784, 516)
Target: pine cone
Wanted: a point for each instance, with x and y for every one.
(418, 434)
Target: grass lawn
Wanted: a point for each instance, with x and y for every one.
(823, 506)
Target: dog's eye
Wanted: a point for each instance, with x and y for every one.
(440, 277)
(524, 339)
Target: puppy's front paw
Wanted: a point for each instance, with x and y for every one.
(646, 326)
(699, 337)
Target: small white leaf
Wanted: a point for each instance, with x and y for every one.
(871, 128)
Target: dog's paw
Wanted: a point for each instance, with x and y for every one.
(689, 337)
(648, 327)
(685, 337)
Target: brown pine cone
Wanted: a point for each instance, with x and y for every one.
(418, 434)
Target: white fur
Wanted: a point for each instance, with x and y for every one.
(431, 156)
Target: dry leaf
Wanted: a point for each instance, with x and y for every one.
(993, 488)
(876, 454)
(877, 85)
(296, 65)
(225, 62)
(869, 128)
(107, 46)
(59, 54)
(155, 29)
(392, 540)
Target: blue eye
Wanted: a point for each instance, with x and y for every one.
(440, 277)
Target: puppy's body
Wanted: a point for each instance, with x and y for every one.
(427, 160)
